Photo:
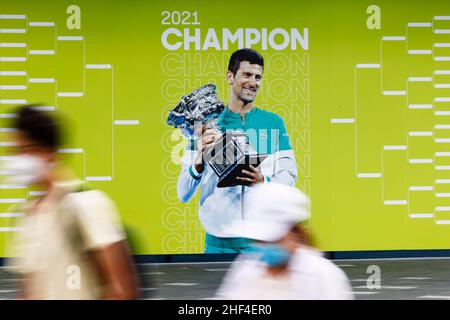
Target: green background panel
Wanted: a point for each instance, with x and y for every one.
(308, 88)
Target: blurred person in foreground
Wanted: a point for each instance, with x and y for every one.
(72, 245)
(282, 266)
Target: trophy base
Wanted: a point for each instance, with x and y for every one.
(230, 178)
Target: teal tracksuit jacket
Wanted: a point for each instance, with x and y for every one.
(219, 207)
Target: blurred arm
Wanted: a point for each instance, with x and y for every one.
(105, 240)
(189, 178)
(116, 269)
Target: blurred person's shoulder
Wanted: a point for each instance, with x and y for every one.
(95, 214)
(329, 281)
(245, 269)
(313, 261)
(75, 192)
(92, 202)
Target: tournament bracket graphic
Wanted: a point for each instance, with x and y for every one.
(397, 137)
(46, 61)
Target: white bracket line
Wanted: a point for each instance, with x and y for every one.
(442, 195)
(419, 24)
(420, 52)
(441, 45)
(126, 122)
(12, 186)
(420, 133)
(421, 188)
(44, 108)
(421, 215)
(441, 31)
(13, 73)
(420, 161)
(13, 59)
(7, 115)
(13, 45)
(395, 202)
(16, 200)
(12, 17)
(368, 66)
(13, 87)
(41, 80)
(40, 24)
(369, 175)
(99, 178)
(420, 106)
(12, 214)
(447, 58)
(394, 93)
(70, 94)
(98, 66)
(13, 101)
(13, 31)
(441, 18)
(70, 38)
(394, 147)
(442, 86)
(393, 38)
(442, 99)
(342, 120)
(71, 150)
(420, 79)
(41, 52)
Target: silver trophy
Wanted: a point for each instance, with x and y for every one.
(200, 107)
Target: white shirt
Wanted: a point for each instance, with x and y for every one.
(310, 277)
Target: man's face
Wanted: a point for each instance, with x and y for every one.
(247, 81)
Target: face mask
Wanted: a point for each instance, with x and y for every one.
(25, 169)
(272, 254)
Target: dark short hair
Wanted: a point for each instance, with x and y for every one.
(38, 126)
(246, 54)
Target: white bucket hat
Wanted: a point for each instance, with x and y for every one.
(270, 212)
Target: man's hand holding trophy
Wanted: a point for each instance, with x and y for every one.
(229, 153)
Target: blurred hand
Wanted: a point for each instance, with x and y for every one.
(252, 176)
